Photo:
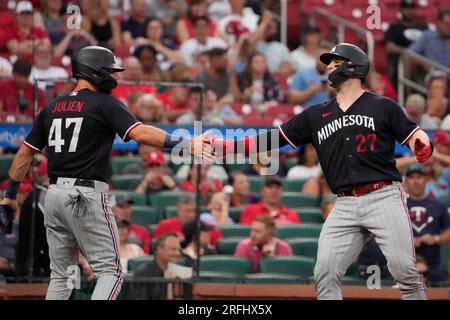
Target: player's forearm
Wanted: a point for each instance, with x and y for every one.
(148, 135)
(444, 238)
(419, 134)
(21, 163)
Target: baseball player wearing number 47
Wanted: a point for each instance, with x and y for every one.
(78, 130)
(354, 135)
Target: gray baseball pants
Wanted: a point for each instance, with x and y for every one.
(382, 213)
(80, 218)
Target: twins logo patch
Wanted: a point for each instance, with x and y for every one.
(419, 218)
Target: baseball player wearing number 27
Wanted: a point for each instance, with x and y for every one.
(78, 130)
(354, 135)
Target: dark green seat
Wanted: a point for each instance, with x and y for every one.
(255, 182)
(218, 277)
(293, 185)
(235, 230)
(302, 230)
(272, 278)
(164, 199)
(299, 199)
(139, 199)
(134, 264)
(222, 263)
(228, 245)
(235, 214)
(353, 281)
(151, 228)
(297, 266)
(136, 241)
(235, 163)
(125, 181)
(291, 162)
(445, 201)
(144, 215)
(352, 270)
(171, 211)
(445, 255)
(309, 214)
(5, 164)
(119, 163)
(306, 247)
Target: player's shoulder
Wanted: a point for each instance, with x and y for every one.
(380, 100)
(320, 108)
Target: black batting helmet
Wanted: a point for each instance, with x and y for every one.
(92, 64)
(354, 57)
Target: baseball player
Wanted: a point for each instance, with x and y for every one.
(354, 135)
(78, 130)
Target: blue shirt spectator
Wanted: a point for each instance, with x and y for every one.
(435, 45)
(303, 81)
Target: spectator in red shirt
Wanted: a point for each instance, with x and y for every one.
(207, 187)
(122, 211)
(16, 94)
(262, 242)
(175, 101)
(185, 213)
(271, 193)
(24, 35)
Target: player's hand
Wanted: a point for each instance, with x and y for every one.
(12, 204)
(421, 151)
(427, 239)
(417, 242)
(201, 147)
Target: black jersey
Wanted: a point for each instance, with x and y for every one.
(355, 147)
(79, 130)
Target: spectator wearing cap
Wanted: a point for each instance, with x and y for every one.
(16, 96)
(156, 178)
(218, 210)
(24, 36)
(430, 222)
(262, 242)
(185, 213)
(305, 56)
(168, 250)
(215, 75)
(271, 195)
(151, 70)
(415, 109)
(133, 27)
(127, 250)
(438, 106)
(122, 211)
(168, 12)
(184, 27)
(310, 86)
(193, 48)
(190, 245)
(435, 44)
(139, 167)
(401, 34)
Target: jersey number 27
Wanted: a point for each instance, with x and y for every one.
(54, 136)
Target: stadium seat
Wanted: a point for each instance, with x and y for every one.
(151, 228)
(235, 230)
(235, 163)
(304, 230)
(139, 199)
(291, 162)
(171, 211)
(228, 245)
(235, 214)
(293, 185)
(445, 201)
(125, 181)
(309, 214)
(153, 246)
(136, 241)
(299, 199)
(219, 263)
(118, 163)
(296, 266)
(134, 264)
(164, 199)
(5, 164)
(256, 182)
(218, 277)
(352, 270)
(272, 278)
(445, 255)
(304, 246)
(144, 215)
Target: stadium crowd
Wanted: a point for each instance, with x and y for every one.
(251, 79)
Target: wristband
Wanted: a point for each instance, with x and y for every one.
(11, 189)
(171, 142)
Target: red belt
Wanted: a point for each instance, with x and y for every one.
(362, 190)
